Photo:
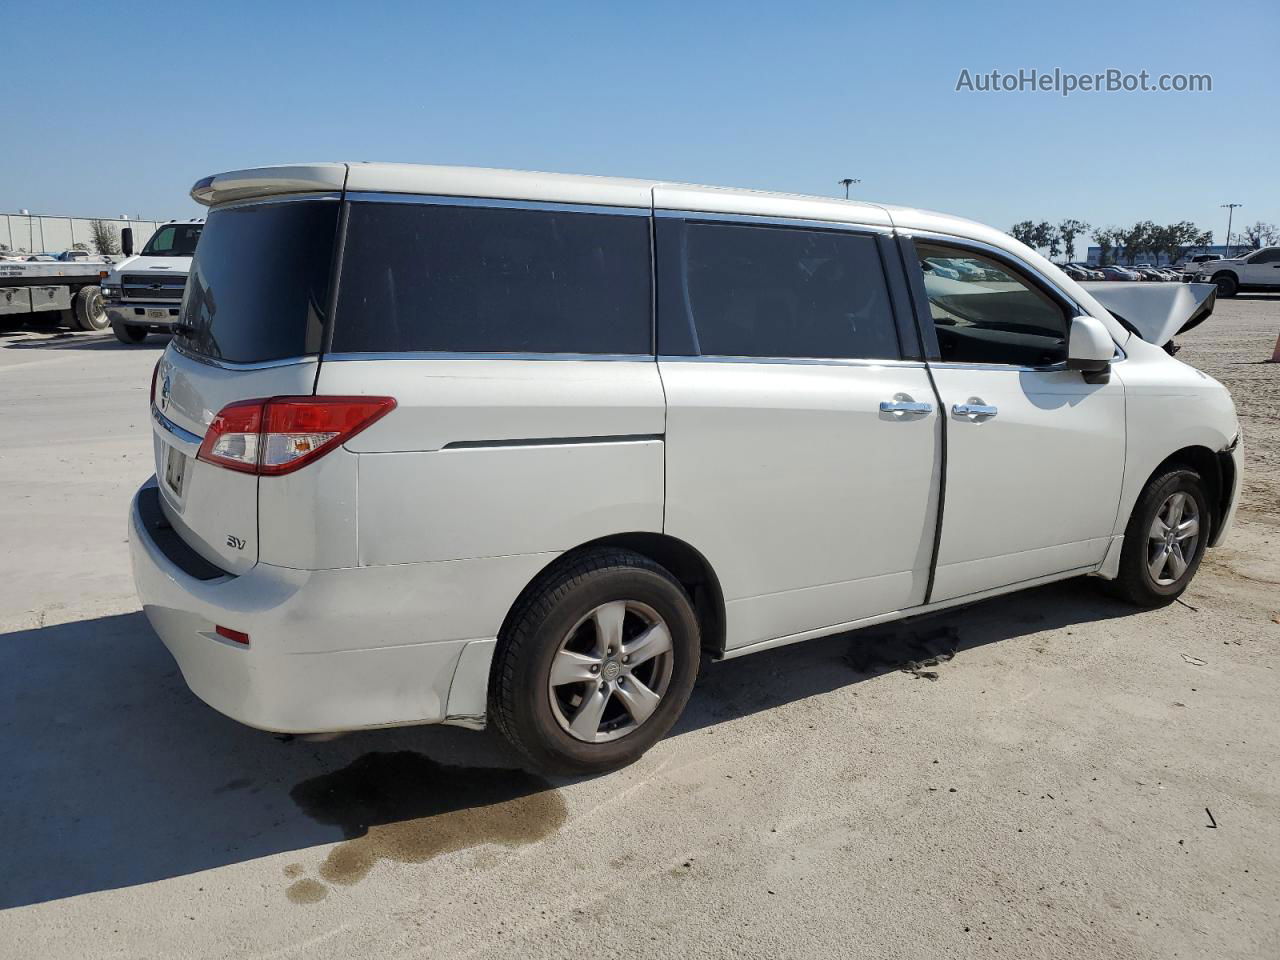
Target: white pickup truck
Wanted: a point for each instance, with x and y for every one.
(143, 293)
(1259, 270)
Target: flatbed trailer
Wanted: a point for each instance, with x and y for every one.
(62, 292)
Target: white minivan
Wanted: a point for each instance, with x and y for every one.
(451, 445)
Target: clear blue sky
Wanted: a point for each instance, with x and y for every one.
(788, 96)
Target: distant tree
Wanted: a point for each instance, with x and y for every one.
(1261, 235)
(1106, 238)
(1044, 235)
(1137, 239)
(105, 238)
(1024, 231)
(1068, 230)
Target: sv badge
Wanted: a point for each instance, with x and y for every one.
(235, 543)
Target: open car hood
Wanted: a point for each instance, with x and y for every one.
(1156, 312)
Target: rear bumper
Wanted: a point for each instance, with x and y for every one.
(330, 650)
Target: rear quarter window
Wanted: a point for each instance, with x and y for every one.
(472, 279)
(259, 282)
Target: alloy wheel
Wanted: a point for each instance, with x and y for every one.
(611, 671)
(1172, 540)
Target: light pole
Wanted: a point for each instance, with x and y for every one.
(847, 182)
(1231, 208)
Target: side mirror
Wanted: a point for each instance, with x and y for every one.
(126, 241)
(1090, 348)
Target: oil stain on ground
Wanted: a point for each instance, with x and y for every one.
(406, 807)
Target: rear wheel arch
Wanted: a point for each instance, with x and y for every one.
(680, 559)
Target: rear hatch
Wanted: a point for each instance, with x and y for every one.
(251, 326)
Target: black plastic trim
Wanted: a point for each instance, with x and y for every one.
(176, 550)
(920, 310)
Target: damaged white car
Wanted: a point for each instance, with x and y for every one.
(488, 446)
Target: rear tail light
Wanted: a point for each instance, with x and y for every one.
(280, 434)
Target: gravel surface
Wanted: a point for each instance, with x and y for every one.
(1051, 774)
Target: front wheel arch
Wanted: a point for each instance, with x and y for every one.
(1215, 469)
(1227, 281)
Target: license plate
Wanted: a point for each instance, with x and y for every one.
(174, 470)
(157, 314)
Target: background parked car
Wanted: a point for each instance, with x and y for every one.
(1116, 272)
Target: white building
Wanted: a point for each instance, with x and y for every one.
(31, 233)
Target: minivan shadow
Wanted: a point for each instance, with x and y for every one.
(114, 774)
(64, 340)
(921, 645)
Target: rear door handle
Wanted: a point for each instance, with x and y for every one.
(905, 406)
(974, 411)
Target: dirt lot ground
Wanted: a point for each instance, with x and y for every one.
(1080, 780)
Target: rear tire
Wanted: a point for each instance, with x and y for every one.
(128, 333)
(1159, 558)
(562, 690)
(1228, 285)
(90, 309)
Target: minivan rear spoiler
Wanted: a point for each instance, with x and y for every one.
(270, 181)
(1156, 312)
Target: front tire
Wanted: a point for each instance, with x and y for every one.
(1228, 285)
(595, 664)
(128, 333)
(1165, 539)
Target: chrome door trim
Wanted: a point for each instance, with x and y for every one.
(442, 200)
(452, 355)
(798, 361)
(552, 441)
(843, 226)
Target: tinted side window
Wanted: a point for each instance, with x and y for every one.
(761, 291)
(1266, 256)
(460, 279)
(985, 312)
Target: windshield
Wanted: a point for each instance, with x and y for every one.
(173, 240)
(259, 282)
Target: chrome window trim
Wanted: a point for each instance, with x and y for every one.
(232, 365)
(797, 361)
(795, 223)
(283, 198)
(451, 355)
(179, 432)
(438, 200)
(999, 253)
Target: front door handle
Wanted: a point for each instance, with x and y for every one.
(905, 406)
(974, 411)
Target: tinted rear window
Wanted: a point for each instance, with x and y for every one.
(763, 291)
(463, 279)
(259, 282)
